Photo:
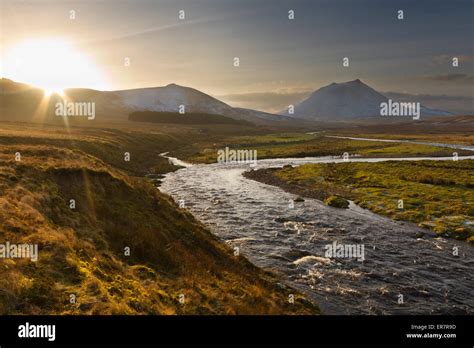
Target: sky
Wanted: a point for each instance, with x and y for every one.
(281, 60)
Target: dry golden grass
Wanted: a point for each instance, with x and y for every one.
(81, 250)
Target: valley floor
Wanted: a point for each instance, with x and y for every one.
(110, 243)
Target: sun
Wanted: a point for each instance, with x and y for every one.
(52, 64)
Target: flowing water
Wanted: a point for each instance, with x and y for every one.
(257, 219)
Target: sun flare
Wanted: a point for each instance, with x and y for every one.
(51, 64)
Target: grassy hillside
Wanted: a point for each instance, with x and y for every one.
(82, 250)
(109, 143)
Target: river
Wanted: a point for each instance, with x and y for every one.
(401, 274)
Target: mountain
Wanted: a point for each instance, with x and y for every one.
(169, 99)
(20, 102)
(348, 100)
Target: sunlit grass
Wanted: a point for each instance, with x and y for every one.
(81, 250)
(306, 145)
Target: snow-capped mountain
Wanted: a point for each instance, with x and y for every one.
(337, 101)
(348, 100)
(20, 102)
(170, 98)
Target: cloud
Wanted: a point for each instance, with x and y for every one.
(152, 30)
(461, 78)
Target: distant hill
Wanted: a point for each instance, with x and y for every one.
(9, 86)
(188, 118)
(171, 97)
(348, 100)
(19, 102)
